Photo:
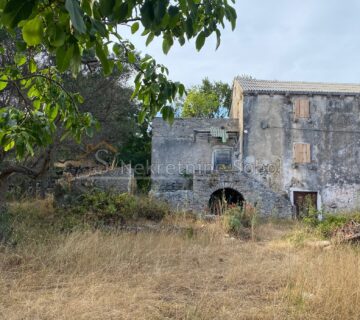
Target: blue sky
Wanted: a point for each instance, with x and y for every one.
(307, 40)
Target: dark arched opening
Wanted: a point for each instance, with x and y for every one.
(221, 199)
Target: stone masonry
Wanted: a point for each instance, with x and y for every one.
(285, 140)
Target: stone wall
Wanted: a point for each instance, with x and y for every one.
(182, 170)
(185, 147)
(333, 131)
(118, 180)
(266, 201)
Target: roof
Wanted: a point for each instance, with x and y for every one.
(250, 85)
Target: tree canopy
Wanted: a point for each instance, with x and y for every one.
(78, 33)
(209, 100)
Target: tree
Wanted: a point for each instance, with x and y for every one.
(200, 104)
(73, 30)
(113, 109)
(209, 100)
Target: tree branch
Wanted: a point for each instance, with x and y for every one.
(25, 170)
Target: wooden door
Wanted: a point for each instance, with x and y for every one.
(303, 201)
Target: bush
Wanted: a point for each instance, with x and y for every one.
(329, 223)
(239, 220)
(106, 208)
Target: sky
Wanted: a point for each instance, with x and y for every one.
(299, 40)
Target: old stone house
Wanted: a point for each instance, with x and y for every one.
(285, 146)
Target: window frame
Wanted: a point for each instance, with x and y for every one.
(222, 149)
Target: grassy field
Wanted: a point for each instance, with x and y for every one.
(183, 269)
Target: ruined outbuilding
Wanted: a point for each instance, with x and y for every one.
(283, 143)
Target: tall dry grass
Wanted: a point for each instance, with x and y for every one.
(189, 271)
(97, 275)
(325, 284)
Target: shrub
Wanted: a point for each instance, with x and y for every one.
(239, 220)
(106, 208)
(329, 223)
(151, 208)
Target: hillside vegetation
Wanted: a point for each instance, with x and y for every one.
(176, 268)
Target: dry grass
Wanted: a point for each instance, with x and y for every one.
(202, 274)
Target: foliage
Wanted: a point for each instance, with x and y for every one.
(327, 226)
(38, 220)
(70, 30)
(137, 152)
(200, 104)
(117, 115)
(105, 208)
(238, 220)
(30, 115)
(209, 100)
(325, 223)
(221, 89)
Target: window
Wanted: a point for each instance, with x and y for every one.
(223, 159)
(302, 153)
(301, 108)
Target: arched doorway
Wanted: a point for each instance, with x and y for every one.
(222, 198)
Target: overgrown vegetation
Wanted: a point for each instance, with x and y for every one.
(240, 220)
(106, 208)
(325, 224)
(95, 210)
(185, 269)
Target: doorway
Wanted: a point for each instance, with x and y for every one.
(304, 201)
(221, 199)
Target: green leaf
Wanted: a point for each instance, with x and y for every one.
(166, 46)
(167, 43)
(200, 40)
(168, 114)
(57, 35)
(32, 31)
(181, 89)
(160, 10)
(63, 57)
(131, 57)
(189, 28)
(147, 14)
(121, 11)
(75, 62)
(20, 59)
(32, 66)
(16, 11)
(218, 38)
(54, 112)
(106, 7)
(141, 116)
(103, 57)
(149, 38)
(20, 45)
(3, 82)
(99, 27)
(135, 27)
(181, 40)
(76, 15)
(10, 145)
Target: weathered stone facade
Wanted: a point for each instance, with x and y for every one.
(120, 180)
(265, 131)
